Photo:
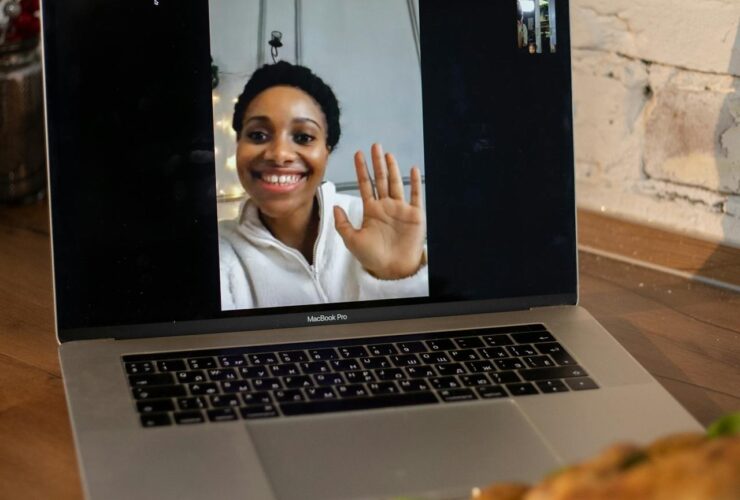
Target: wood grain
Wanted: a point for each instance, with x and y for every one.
(660, 247)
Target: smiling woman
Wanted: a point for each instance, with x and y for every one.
(297, 241)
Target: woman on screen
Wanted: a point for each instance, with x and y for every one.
(296, 240)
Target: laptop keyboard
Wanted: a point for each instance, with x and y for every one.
(218, 385)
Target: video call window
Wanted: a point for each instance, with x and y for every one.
(319, 151)
(536, 26)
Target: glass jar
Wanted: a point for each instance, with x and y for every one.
(22, 147)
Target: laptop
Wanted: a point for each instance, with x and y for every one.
(256, 294)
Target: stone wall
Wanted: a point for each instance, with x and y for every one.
(657, 112)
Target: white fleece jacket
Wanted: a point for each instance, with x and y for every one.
(258, 270)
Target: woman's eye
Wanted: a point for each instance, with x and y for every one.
(256, 136)
(303, 138)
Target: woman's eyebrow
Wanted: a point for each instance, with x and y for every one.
(304, 120)
(257, 119)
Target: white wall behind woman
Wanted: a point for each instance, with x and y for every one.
(365, 50)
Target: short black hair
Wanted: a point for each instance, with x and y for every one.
(292, 75)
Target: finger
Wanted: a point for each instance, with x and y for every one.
(380, 171)
(415, 187)
(344, 227)
(363, 178)
(395, 182)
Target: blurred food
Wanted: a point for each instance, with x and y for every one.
(677, 467)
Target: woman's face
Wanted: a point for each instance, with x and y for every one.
(281, 154)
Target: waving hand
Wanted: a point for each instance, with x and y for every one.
(390, 243)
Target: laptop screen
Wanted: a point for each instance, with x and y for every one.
(243, 164)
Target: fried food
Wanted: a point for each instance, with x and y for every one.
(679, 467)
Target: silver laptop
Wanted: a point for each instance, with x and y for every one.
(324, 249)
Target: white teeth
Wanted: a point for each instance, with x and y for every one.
(281, 179)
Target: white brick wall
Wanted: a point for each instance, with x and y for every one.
(657, 112)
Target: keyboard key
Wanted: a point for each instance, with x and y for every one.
(464, 355)
(524, 389)
(208, 388)
(468, 342)
(153, 379)
(538, 361)
(191, 377)
(521, 350)
(491, 392)
(171, 365)
(254, 372)
(493, 353)
(155, 419)
(235, 386)
(161, 391)
(532, 337)
(201, 363)
(420, 372)
(232, 361)
(218, 374)
(322, 354)
(359, 376)
(510, 364)
(140, 368)
(440, 345)
(451, 369)
(352, 391)
(351, 404)
(324, 379)
(475, 380)
(413, 385)
(293, 357)
(314, 367)
(353, 352)
(375, 362)
(197, 403)
(550, 386)
(382, 349)
(378, 388)
(155, 406)
(256, 398)
(410, 347)
(563, 358)
(455, 395)
(266, 384)
(390, 374)
(441, 383)
(264, 411)
(319, 393)
(344, 365)
(480, 366)
(297, 382)
(188, 417)
(288, 396)
(223, 401)
(433, 358)
(405, 360)
(264, 358)
(581, 384)
(504, 377)
(284, 370)
(553, 373)
(221, 415)
(497, 340)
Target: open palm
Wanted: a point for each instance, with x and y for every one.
(390, 242)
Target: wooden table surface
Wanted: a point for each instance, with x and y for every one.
(685, 333)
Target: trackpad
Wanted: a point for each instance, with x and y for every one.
(423, 451)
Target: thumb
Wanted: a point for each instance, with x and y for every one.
(344, 226)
